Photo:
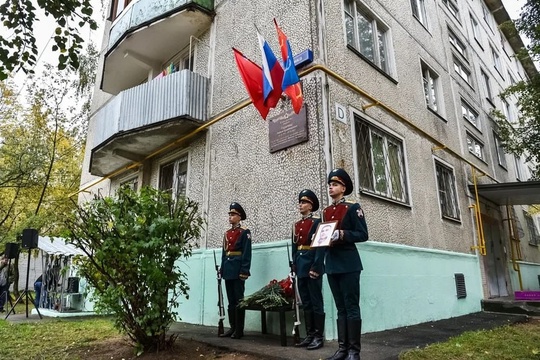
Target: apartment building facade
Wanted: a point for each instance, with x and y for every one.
(399, 93)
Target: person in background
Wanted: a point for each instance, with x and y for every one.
(308, 264)
(37, 289)
(6, 279)
(343, 264)
(235, 266)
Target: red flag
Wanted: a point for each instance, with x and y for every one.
(252, 76)
(291, 82)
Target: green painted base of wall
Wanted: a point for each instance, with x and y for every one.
(530, 276)
(400, 286)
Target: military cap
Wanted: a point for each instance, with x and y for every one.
(309, 196)
(237, 209)
(341, 176)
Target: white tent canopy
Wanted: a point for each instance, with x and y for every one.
(57, 246)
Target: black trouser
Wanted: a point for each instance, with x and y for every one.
(235, 292)
(346, 292)
(311, 294)
(4, 293)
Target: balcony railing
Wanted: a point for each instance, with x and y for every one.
(141, 119)
(144, 12)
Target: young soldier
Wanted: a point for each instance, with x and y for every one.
(343, 264)
(309, 268)
(235, 265)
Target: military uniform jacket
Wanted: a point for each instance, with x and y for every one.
(236, 254)
(342, 256)
(306, 258)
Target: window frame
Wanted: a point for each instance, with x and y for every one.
(419, 12)
(519, 170)
(449, 192)
(497, 63)
(462, 70)
(487, 16)
(487, 86)
(381, 57)
(457, 44)
(499, 148)
(430, 77)
(470, 111)
(534, 236)
(453, 8)
(475, 142)
(176, 163)
(476, 31)
(359, 123)
(114, 8)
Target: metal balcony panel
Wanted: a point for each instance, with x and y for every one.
(146, 35)
(144, 118)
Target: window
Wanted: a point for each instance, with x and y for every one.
(132, 183)
(519, 172)
(446, 185)
(367, 35)
(458, 45)
(476, 30)
(501, 154)
(507, 111)
(419, 11)
(534, 237)
(511, 79)
(496, 61)
(452, 7)
(487, 17)
(487, 86)
(475, 146)
(173, 177)
(381, 161)
(117, 7)
(469, 114)
(431, 87)
(462, 71)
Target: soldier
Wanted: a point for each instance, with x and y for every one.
(235, 265)
(343, 264)
(309, 268)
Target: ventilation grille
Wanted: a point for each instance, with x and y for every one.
(460, 286)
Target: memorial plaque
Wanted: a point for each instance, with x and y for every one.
(287, 129)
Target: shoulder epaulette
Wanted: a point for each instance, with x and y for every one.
(349, 202)
(316, 217)
(244, 228)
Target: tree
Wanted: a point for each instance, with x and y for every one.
(18, 50)
(132, 243)
(523, 136)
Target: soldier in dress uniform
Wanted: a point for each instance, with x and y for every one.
(235, 265)
(343, 264)
(309, 268)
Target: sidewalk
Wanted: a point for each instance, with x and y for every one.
(384, 345)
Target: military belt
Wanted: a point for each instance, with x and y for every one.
(304, 247)
(233, 253)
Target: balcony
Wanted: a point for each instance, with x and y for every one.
(142, 119)
(147, 34)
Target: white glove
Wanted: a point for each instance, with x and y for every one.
(335, 235)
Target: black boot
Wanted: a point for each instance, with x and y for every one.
(308, 320)
(240, 318)
(343, 341)
(232, 321)
(318, 341)
(354, 328)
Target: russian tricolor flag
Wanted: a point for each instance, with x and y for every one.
(272, 74)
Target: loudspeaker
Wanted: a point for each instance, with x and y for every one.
(73, 285)
(30, 238)
(12, 249)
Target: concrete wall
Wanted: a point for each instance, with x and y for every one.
(400, 285)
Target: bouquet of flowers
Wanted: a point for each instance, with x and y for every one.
(274, 294)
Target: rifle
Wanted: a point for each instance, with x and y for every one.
(220, 298)
(297, 300)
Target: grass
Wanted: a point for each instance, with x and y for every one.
(51, 339)
(517, 342)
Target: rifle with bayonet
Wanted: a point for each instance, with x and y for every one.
(221, 307)
(297, 301)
